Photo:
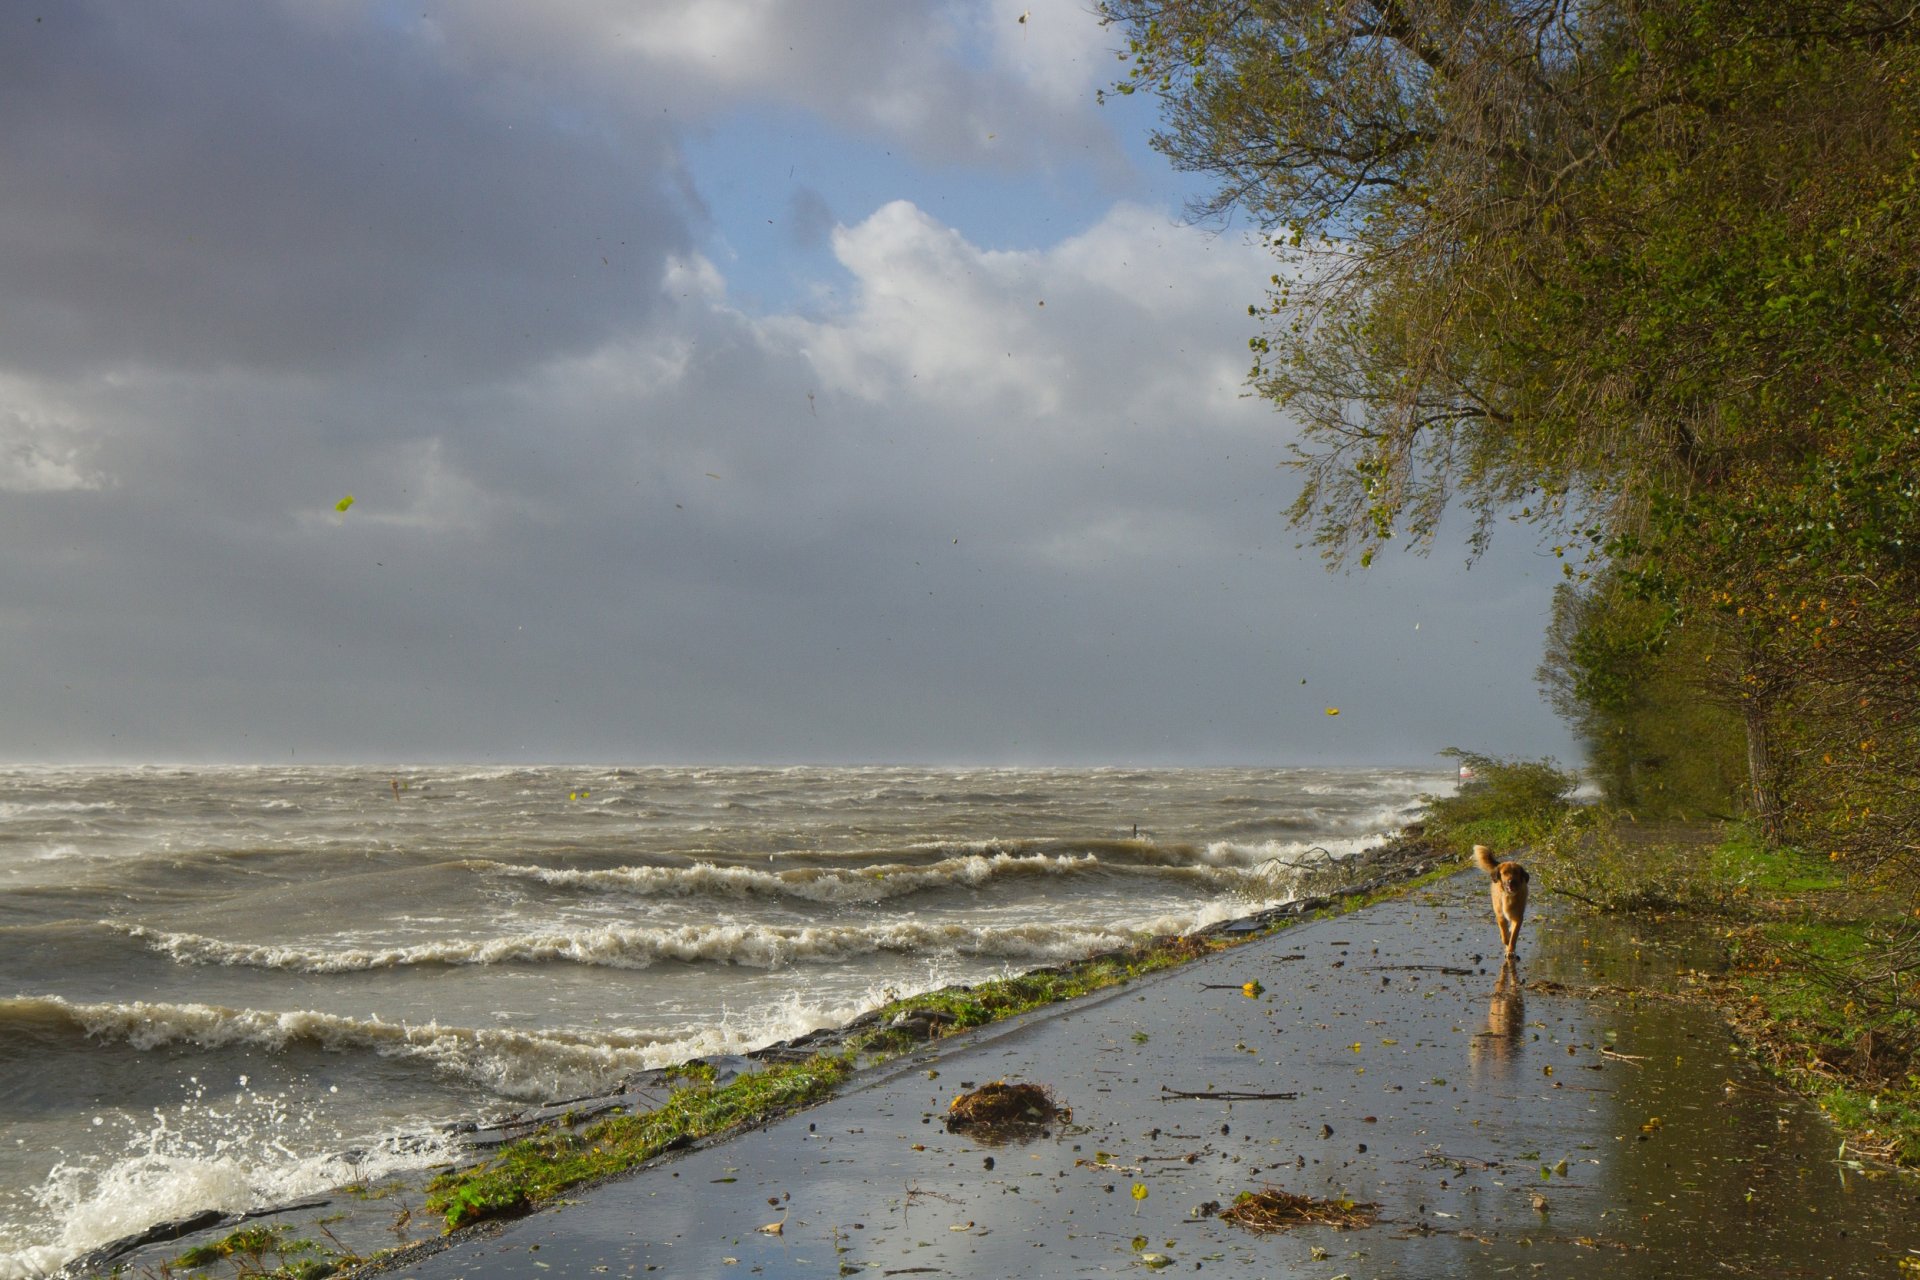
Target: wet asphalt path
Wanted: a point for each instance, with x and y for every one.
(1501, 1131)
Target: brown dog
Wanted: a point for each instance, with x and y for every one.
(1509, 894)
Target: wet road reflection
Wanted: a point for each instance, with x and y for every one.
(1504, 1125)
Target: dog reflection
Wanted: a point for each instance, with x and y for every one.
(1493, 1053)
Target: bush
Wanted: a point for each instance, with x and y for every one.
(1511, 804)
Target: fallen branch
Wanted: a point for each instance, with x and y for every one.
(1225, 1095)
(1434, 1159)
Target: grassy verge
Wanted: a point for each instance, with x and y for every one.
(538, 1169)
(1821, 975)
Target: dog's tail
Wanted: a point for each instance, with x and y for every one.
(1483, 858)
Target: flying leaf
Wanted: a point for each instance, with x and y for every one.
(1333, 711)
(1139, 1191)
(344, 503)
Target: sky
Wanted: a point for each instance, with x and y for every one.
(715, 381)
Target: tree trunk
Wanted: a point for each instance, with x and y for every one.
(1764, 790)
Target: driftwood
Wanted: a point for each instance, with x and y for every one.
(1225, 1095)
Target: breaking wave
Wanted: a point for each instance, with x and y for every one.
(231, 1155)
(627, 947)
(895, 880)
(525, 1065)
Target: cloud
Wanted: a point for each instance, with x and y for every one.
(903, 73)
(1036, 333)
(224, 187)
(44, 444)
(979, 503)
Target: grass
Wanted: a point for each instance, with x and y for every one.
(1821, 975)
(539, 1168)
(536, 1170)
(262, 1253)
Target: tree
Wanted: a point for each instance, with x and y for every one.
(1627, 679)
(1641, 273)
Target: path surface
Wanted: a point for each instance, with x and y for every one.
(1448, 1098)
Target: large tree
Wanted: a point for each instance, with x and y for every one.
(1642, 273)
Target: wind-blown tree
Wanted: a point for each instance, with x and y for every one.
(1629, 681)
(1641, 273)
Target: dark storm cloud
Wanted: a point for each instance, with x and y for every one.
(215, 186)
(978, 505)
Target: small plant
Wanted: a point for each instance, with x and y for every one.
(265, 1253)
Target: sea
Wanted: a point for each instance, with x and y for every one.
(234, 987)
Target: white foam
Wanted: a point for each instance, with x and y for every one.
(31, 809)
(234, 1154)
(631, 947)
(1282, 856)
(516, 1064)
(864, 884)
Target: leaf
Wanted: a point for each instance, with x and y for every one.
(1252, 989)
(1139, 1191)
(774, 1228)
(1333, 711)
(344, 503)
(1156, 1260)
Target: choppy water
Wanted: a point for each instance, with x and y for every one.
(229, 987)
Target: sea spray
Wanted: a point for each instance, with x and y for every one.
(229, 1151)
(379, 960)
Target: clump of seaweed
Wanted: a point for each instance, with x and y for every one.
(1271, 1209)
(998, 1111)
(1185, 946)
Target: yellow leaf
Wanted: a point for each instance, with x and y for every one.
(1139, 1191)
(344, 503)
(1333, 711)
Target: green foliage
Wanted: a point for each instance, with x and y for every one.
(266, 1253)
(1830, 998)
(534, 1169)
(1613, 864)
(1511, 804)
(1621, 671)
(1641, 275)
